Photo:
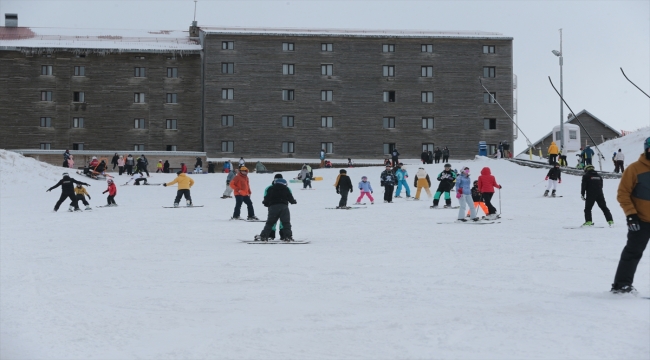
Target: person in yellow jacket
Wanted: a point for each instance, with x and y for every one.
(552, 153)
(79, 192)
(184, 184)
(634, 197)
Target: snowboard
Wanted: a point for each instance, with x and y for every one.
(242, 219)
(556, 196)
(180, 207)
(295, 242)
(308, 189)
(583, 227)
(103, 206)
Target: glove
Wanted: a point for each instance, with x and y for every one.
(89, 197)
(458, 195)
(165, 184)
(381, 183)
(371, 192)
(295, 202)
(87, 185)
(500, 187)
(546, 178)
(227, 182)
(633, 222)
(583, 197)
(350, 191)
(559, 181)
(104, 192)
(460, 191)
(337, 191)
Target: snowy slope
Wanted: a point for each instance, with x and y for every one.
(386, 282)
(631, 145)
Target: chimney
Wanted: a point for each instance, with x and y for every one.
(11, 20)
(194, 30)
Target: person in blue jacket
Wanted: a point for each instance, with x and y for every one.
(464, 195)
(401, 174)
(587, 154)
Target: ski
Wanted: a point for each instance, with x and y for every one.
(356, 204)
(272, 242)
(470, 222)
(557, 196)
(583, 227)
(180, 207)
(104, 206)
(308, 189)
(242, 219)
(445, 208)
(349, 208)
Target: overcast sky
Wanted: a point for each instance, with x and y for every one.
(599, 37)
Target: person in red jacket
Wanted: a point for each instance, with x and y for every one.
(183, 168)
(112, 191)
(486, 185)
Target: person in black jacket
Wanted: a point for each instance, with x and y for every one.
(395, 155)
(114, 160)
(143, 163)
(388, 181)
(166, 167)
(424, 157)
(445, 154)
(198, 166)
(554, 177)
(67, 191)
(592, 186)
(437, 155)
(343, 186)
(277, 199)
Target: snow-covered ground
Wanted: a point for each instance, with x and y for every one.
(387, 282)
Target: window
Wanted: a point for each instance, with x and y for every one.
(388, 48)
(489, 49)
(489, 98)
(139, 72)
(389, 96)
(47, 55)
(287, 47)
(170, 147)
(427, 48)
(288, 69)
(45, 146)
(80, 56)
(427, 147)
(78, 122)
(287, 121)
(172, 72)
(228, 45)
(227, 94)
(492, 149)
(78, 96)
(46, 96)
(489, 71)
(138, 123)
(139, 57)
(389, 70)
(138, 98)
(227, 68)
(287, 147)
(138, 147)
(326, 121)
(489, 124)
(573, 135)
(77, 146)
(46, 122)
(427, 71)
(557, 136)
(172, 98)
(171, 124)
(287, 95)
(389, 123)
(328, 147)
(326, 69)
(79, 71)
(427, 96)
(388, 148)
(427, 123)
(46, 69)
(326, 47)
(227, 120)
(227, 146)
(326, 95)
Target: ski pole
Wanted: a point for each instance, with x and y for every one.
(500, 209)
(536, 184)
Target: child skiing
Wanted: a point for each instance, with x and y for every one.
(305, 176)
(67, 191)
(137, 178)
(592, 186)
(184, 184)
(80, 191)
(422, 181)
(401, 174)
(343, 186)
(446, 178)
(486, 185)
(388, 181)
(477, 197)
(112, 191)
(365, 189)
(554, 177)
(277, 199)
(464, 195)
(242, 191)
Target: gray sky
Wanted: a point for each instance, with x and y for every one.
(599, 37)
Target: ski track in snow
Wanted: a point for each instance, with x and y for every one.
(140, 281)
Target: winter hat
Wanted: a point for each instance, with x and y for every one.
(278, 176)
(364, 178)
(179, 172)
(447, 165)
(589, 168)
(94, 157)
(110, 181)
(281, 182)
(65, 174)
(243, 168)
(343, 171)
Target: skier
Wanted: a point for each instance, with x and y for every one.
(98, 170)
(395, 155)
(129, 164)
(93, 163)
(477, 197)
(464, 196)
(592, 186)
(552, 153)
(343, 187)
(277, 199)
(242, 163)
(401, 175)
(137, 178)
(67, 191)
(198, 166)
(305, 176)
(486, 185)
(424, 157)
(365, 189)
(388, 181)
(159, 166)
(588, 155)
(120, 165)
(166, 167)
(242, 191)
(619, 161)
(445, 154)
(634, 198)
(112, 191)
(322, 158)
(446, 178)
(79, 192)
(554, 177)
(422, 181)
(228, 192)
(183, 168)
(114, 160)
(184, 184)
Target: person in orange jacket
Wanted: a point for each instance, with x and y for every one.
(242, 191)
(486, 185)
(112, 191)
(184, 184)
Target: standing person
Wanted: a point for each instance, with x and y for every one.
(477, 197)
(120, 165)
(79, 192)
(226, 167)
(67, 191)
(395, 155)
(554, 177)
(388, 181)
(424, 157)
(500, 147)
(634, 197)
(66, 156)
(242, 191)
(445, 154)
(322, 158)
(588, 155)
(592, 186)
(305, 176)
(112, 191)
(159, 166)
(447, 178)
(350, 162)
(464, 195)
(365, 189)
(137, 178)
(486, 185)
(114, 160)
(431, 156)
(437, 155)
(228, 192)
(166, 167)
(401, 175)
(129, 164)
(71, 161)
(198, 166)
(277, 199)
(242, 163)
(422, 181)
(185, 183)
(343, 187)
(271, 235)
(506, 149)
(552, 153)
(143, 164)
(619, 161)
(183, 168)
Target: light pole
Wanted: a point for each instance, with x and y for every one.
(559, 54)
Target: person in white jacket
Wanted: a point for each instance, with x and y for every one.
(138, 178)
(619, 161)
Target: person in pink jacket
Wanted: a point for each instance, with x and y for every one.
(71, 162)
(486, 185)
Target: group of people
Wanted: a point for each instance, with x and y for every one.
(438, 155)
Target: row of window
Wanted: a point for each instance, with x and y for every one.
(290, 147)
(172, 72)
(328, 47)
(80, 97)
(80, 146)
(78, 122)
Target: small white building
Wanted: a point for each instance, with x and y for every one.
(571, 137)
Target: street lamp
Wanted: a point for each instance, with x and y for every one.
(559, 54)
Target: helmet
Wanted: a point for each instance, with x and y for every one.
(79, 185)
(110, 181)
(589, 168)
(94, 157)
(278, 176)
(343, 171)
(281, 182)
(364, 178)
(179, 172)
(65, 174)
(556, 164)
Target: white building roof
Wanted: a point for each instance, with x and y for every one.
(96, 40)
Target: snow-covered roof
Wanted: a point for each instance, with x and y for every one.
(355, 33)
(96, 40)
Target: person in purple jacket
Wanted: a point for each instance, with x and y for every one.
(365, 189)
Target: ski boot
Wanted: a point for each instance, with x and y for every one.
(252, 218)
(397, 197)
(225, 197)
(623, 289)
(476, 219)
(588, 223)
(553, 193)
(416, 199)
(175, 204)
(546, 193)
(70, 209)
(372, 203)
(433, 207)
(188, 203)
(88, 207)
(232, 218)
(462, 220)
(77, 209)
(611, 223)
(446, 206)
(260, 238)
(288, 239)
(357, 203)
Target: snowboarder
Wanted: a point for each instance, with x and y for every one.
(184, 184)
(272, 233)
(67, 191)
(401, 175)
(422, 181)
(365, 189)
(112, 191)
(388, 181)
(464, 196)
(242, 191)
(137, 178)
(634, 197)
(343, 187)
(228, 192)
(277, 199)
(486, 185)
(592, 186)
(395, 157)
(552, 153)
(305, 176)
(445, 154)
(80, 191)
(477, 197)
(619, 161)
(554, 177)
(446, 178)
